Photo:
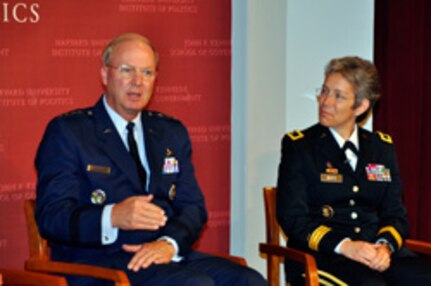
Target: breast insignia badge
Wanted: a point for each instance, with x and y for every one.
(98, 197)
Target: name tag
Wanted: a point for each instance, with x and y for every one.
(331, 178)
(98, 169)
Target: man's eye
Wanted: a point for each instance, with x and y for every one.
(126, 70)
(147, 72)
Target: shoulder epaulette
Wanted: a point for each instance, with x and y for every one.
(77, 112)
(295, 135)
(385, 137)
(156, 114)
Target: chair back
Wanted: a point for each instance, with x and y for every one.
(272, 234)
(272, 226)
(276, 253)
(38, 247)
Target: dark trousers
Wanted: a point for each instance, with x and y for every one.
(406, 269)
(197, 269)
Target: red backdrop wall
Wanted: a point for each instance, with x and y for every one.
(49, 64)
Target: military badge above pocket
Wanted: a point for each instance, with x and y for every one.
(98, 169)
(331, 175)
(378, 173)
(170, 166)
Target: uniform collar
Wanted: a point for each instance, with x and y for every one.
(354, 138)
(119, 122)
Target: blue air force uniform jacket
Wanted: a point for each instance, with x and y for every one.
(321, 200)
(82, 155)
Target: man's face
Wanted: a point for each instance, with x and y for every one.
(336, 102)
(129, 78)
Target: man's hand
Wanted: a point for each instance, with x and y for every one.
(375, 256)
(138, 213)
(156, 252)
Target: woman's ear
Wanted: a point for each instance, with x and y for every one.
(363, 106)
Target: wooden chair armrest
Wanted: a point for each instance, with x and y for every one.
(21, 277)
(117, 276)
(236, 259)
(418, 246)
(311, 276)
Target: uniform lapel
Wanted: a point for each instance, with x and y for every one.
(332, 153)
(365, 152)
(111, 144)
(154, 148)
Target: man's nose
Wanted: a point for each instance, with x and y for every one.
(137, 79)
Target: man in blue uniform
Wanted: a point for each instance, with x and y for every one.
(116, 186)
(339, 190)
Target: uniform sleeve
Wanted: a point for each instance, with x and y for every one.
(392, 213)
(293, 212)
(59, 214)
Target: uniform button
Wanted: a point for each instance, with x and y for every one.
(357, 229)
(352, 203)
(355, 189)
(354, 215)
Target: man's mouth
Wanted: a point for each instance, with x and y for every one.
(134, 94)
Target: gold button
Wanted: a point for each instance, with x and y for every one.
(172, 192)
(355, 189)
(352, 203)
(354, 215)
(357, 229)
